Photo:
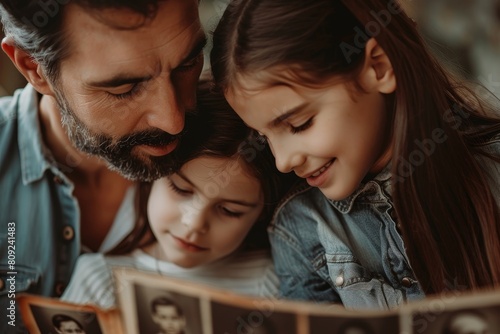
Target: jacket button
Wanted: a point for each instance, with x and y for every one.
(2, 284)
(407, 282)
(68, 233)
(339, 281)
(58, 180)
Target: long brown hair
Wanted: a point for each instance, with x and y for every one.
(215, 130)
(449, 216)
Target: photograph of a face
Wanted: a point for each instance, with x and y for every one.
(162, 311)
(477, 320)
(52, 320)
(341, 325)
(260, 320)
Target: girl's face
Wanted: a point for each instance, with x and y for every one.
(331, 135)
(203, 212)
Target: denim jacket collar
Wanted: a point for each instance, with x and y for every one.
(34, 154)
(383, 178)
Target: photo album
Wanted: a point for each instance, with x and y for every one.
(151, 303)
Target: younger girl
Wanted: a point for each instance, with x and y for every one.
(403, 161)
(209, 218)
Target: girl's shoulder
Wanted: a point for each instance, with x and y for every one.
(299, 192)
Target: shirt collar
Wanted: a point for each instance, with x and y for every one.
(34, 154)
(366, 188)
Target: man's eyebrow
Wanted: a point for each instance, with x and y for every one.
(200, 45)
(283, 117)
(125, 79)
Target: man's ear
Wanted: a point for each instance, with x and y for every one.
(377, 73)
(28, 67)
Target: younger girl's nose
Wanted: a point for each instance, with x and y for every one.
(194, 217)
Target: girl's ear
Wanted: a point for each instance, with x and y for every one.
(377, 73)
(28, 67)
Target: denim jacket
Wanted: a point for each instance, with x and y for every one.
(39, 215)
(348, 251)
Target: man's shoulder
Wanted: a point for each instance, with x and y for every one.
(8, 112)
(6, 105)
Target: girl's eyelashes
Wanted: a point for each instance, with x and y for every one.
(230, 213)
(302, 127)
(184, 192)
(180, 191)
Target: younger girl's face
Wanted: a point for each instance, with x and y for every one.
(203, 212)
(330, 135)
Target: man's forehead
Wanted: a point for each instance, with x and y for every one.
(86, 28)
(169, 37)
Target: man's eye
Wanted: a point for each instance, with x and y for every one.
(133, 90)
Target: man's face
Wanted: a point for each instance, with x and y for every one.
(70, 327)
(123, 92)
(168, 319)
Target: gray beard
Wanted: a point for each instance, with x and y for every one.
(118, 153)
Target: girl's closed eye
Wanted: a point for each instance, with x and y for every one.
(230, 213)
(304, 126)
(179, 190)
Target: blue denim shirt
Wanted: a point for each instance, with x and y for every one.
(38, 206)
(348, 251)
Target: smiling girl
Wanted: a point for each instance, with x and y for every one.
(208, 219)
(402, 162)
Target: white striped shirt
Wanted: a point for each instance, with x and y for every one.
(247, 273)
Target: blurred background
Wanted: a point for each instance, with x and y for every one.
(464, 35)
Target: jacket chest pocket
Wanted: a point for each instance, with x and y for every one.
(358, 288)
(17, 281)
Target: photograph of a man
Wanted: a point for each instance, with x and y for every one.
(64, 324)
(168, 316)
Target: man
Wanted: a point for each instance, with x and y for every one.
(64, 324)
(168, 316)
(109, 84)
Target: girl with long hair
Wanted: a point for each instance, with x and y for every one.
(402, 161)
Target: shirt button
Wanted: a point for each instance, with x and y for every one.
(68, 233)
(339, 281)
(59, 289)
(58, 180)
(2, 284)
(407, 282)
